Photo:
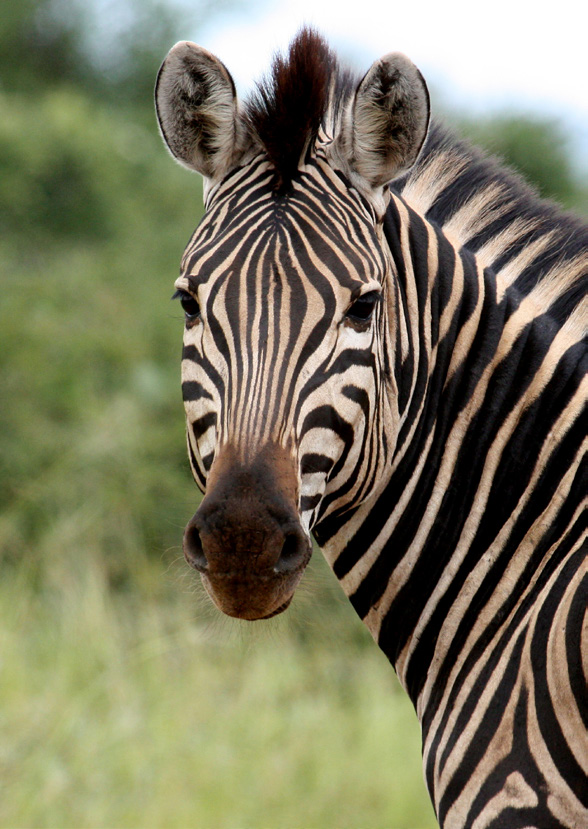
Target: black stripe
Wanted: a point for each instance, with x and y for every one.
(509, 483)
(327, 417)
(198, 477)
(308, 502)
(519, 760)
(502, 394)
(193, 355)
(207, 461)
(202, 424)
(575, 623)
(478, 745)
(480, 648)
(555, 740)
(192, 390)
(313, 462)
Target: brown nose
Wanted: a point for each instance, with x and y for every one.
(246, 540)
(229, 535)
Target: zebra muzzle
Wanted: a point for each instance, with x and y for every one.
(246, 539)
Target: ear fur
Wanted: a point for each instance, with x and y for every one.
(388, 120)
(197, 110)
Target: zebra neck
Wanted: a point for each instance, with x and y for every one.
(447, 537)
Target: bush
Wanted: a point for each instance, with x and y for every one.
(91, 422)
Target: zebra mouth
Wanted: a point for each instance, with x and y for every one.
(278, 610)
(251, 598)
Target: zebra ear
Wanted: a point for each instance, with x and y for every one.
(197, 110)
(389, 120)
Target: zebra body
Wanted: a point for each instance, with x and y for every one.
(400, 370)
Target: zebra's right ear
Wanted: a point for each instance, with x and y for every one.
(197, 111)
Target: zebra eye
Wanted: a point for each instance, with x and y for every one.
(363, 307)
(189, 304)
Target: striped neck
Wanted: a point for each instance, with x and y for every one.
(421, 560)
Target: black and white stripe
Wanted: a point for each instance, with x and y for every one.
(440, 441)
(266, 336)
(470, 568)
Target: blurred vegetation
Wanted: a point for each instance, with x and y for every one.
(122, 713)
(119, 705)
(92, 218)
(538, 149)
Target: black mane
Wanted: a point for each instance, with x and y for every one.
(288, 107)
(475, 172)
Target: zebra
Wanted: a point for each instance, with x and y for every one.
(385, 347)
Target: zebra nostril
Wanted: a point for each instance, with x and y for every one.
(193, 549)
(294, 553)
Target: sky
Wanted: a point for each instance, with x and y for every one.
(476, 56)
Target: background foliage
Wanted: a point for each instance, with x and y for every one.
(125, 701)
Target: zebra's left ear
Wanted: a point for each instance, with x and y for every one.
(388, 120)
(197, 110)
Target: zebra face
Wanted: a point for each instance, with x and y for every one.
(289, 298)
(283, 375)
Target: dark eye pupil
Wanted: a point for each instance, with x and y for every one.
(188, 303)
(363, 307)
(190, 306)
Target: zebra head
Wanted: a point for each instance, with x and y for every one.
(291, 331)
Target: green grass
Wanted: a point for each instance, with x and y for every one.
(135, 711)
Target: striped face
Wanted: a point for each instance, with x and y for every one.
(283, 367)
(289, 303)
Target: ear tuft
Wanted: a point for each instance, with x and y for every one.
(389, 121)
(196, 106)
